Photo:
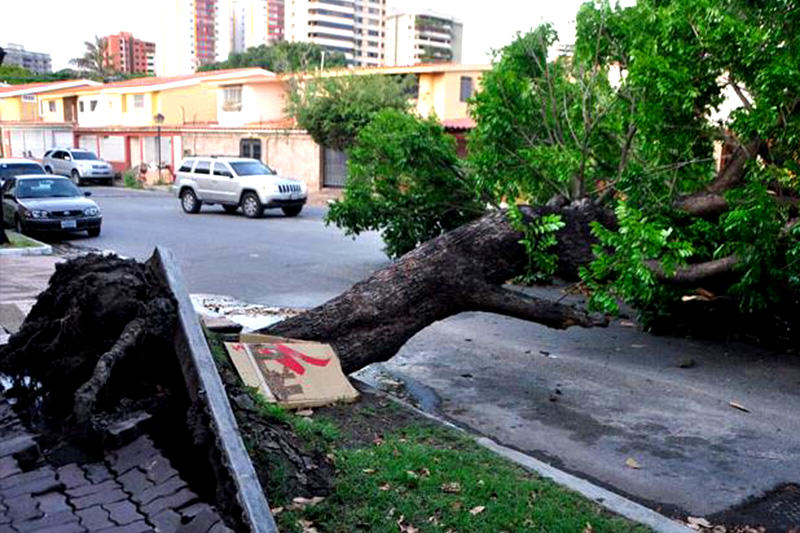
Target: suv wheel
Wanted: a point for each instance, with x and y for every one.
(76, 178)
(18, 225)
(292, 210)
(189, 201)
(48, 169)
(251, 205)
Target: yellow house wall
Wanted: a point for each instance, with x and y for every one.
(440, 93)
(10, 108)
(187, 105)
(54, 116)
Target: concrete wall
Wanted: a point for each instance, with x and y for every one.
(292, 155)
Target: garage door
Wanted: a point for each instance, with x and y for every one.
(62, 139)
(88, 142)
(112, 148)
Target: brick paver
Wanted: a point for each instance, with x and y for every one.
(134, 489)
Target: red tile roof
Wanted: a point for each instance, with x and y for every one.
(160, 80)
(37, 85)
(458, 124)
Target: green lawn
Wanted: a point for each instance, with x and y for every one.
(427, 478)
(19, 241)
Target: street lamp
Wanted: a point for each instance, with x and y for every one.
(159, 118)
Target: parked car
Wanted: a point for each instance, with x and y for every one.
(43, 202)
(17, 167)
(235, 182)
(78, 165)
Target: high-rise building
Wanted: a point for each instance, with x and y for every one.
(33, 61)
(426, 37)
(275, 20)
(193, 33)
(126, 53)
(354, 27)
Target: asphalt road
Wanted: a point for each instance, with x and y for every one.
(586, 400)
(275, 260)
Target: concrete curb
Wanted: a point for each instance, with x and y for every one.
(605, 498)
(41, 249)
(610, 500)
(206, 391)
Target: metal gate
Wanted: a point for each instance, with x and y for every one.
(334, 168)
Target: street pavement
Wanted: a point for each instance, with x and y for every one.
(275, 260)
(587, 401)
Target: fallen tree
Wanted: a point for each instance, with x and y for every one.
(462, 270)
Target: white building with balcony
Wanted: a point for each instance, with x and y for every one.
(423, 37)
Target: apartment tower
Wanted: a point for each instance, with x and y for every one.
(354, 27)
(126, 53)
(427, 37)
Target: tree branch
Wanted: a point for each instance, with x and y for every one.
(493, 299)
(86, 395)
(702, 204)
(690, 274)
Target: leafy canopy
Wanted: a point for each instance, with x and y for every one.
(406, 181)
(631, 120)
(335, 109)
(282, 56)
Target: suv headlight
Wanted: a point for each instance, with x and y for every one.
(91, 211)
(38, 213)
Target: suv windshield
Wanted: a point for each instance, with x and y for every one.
(46, 188)
(83, 155)
(8, 170)
(251, 168)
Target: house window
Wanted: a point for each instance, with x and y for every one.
(250, 148)
(232, 98)
(92, 105)
(51, 106)
(138, 101)
(28, 98)
(80, 106)
(466, 88)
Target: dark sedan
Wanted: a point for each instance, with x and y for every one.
(48, 203)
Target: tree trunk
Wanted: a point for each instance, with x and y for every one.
(462, 270)
(3, 236)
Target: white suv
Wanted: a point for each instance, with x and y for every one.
(237, 181)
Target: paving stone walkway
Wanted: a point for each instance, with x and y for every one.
(134, 489)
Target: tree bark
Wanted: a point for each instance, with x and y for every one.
(3, 236)
(462, 270)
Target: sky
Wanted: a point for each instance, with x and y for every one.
(59, 27)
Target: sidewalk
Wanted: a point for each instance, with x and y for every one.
(22, 278)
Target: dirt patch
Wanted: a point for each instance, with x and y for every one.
(777, 511)
(369, 419)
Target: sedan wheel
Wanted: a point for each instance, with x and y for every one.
(251, 206)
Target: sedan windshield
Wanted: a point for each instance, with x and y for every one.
(8, 170)
(46, 188)
(251, 168)
(84, 155)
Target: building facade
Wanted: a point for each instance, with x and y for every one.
(413, 38)
(33, 61)
(355, 28)
(126, 53)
